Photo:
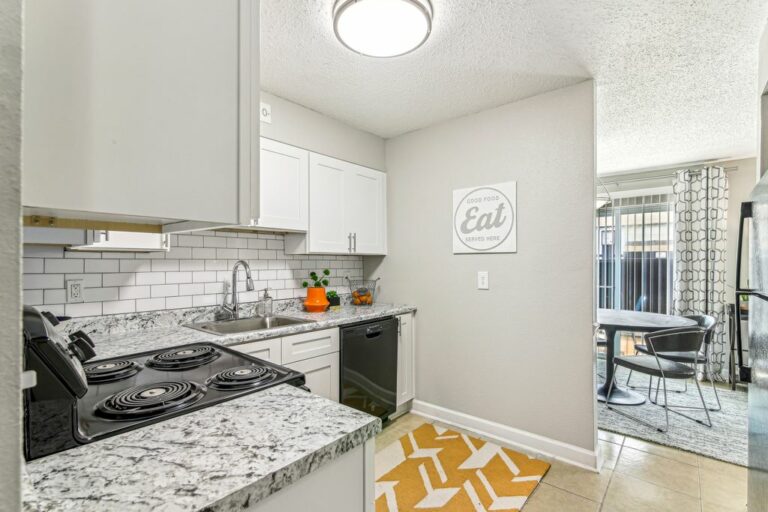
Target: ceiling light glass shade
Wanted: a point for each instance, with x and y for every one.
(382, 28)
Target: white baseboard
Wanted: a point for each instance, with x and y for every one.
(532, 444)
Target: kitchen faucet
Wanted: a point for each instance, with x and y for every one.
(235, 308)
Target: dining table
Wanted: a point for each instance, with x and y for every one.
(614, 322)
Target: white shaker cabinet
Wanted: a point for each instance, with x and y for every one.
(406, 376)
(347, 210)
(283, 187)
(137, 109)
(322, 374)
(268, 350)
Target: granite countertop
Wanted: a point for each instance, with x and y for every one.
(219, 458)
(144, 336)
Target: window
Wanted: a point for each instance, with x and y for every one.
(635, 244)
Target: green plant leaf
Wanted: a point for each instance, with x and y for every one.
(305, 284)
(327, 272)
(325, 282)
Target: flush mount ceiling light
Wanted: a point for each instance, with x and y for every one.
(382, 28)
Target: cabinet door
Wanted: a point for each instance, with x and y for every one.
(322, 374)
(132, 108)
(268, 350)
(366, 192)
(405, 359)
(283, 186)
(327, 202)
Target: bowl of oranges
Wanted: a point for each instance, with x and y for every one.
(363, 291)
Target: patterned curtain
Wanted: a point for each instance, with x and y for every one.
(701, 208)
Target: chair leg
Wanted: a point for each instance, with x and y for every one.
(666, 404)
(714, 388)
(703, 403)
(626, 415)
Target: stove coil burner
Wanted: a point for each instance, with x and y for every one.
(110, 371)
(184, 358)
(151, 400)
(241, 377)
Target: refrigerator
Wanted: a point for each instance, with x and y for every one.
(753, 368)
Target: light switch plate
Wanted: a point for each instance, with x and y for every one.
(265, 113)
(482, 280)
(75, 290)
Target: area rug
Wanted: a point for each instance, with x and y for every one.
(432, 468)
(726, 440)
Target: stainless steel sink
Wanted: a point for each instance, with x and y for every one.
(256, 323)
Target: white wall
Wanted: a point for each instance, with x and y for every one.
(520, 354)
(299, 126)
(10, 254)
(741, 180)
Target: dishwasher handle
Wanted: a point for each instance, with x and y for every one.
(374, 331)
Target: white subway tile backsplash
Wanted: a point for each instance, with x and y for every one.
(83, 309)
(192, 289)
(99, 294)
(165, 265)
(214, 241)
(208, 253)
(89, 280)
(203, 277)
(178, 302)
(116, 307)
(204, 300)
(178, 277)
(179, 253)
(33, 297)
(135, 266)
(43, 251)
(150, 278)
(192, 265)
(123, 279)
(101, 266)
(190, 241)
(150, 304)
(134, 292)
(63, 266)
(42, 281)
(193, 273)
(34, 265)
(165, 290)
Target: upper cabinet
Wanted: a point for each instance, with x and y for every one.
(347, 210)
(283, 187)
(141, 108)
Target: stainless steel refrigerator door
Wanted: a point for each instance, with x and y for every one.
(758, 345)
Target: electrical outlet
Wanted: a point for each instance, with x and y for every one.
(265, 113)
(482, 280)
(344, 273)
(75, 290)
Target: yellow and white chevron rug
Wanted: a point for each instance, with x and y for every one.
(432, 468)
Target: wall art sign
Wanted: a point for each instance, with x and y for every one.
(485, 219)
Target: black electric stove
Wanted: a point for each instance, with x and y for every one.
(77, 402)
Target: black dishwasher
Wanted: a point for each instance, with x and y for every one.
(368, 377)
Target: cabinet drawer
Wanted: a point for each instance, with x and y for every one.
(310, 344)
(268, 350)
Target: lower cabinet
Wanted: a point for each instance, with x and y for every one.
(268, 350)
(315, 354)
(322, 374)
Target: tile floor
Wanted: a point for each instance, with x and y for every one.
(636, 476)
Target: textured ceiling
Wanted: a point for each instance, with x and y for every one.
(676, 79)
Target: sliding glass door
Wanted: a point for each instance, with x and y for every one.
(635, 243)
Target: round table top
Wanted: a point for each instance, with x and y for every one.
(640, 321)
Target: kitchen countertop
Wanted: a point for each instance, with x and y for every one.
(218, 458)
(141, 340)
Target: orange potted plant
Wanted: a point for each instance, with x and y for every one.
(316, 301)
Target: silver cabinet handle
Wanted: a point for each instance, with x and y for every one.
(355, 239)
(349, 239)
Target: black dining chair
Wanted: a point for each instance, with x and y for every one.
(703, 358)
(679, 339)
